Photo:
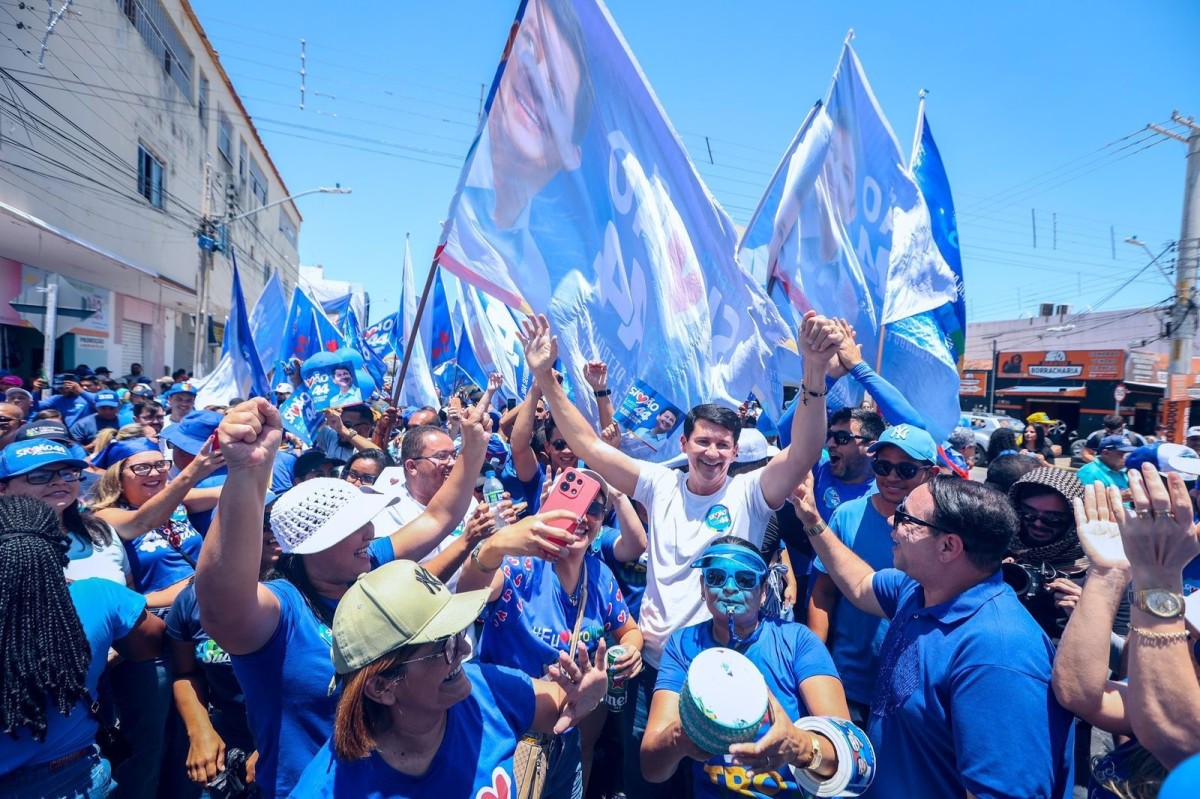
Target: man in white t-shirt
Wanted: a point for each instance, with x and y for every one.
(427, 455)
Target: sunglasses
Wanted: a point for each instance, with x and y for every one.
(1056, 521)
(842, 438)
(42, 476)
(143, 469)
(905, 470)
(744, 579)
(597, 509)
(362, 479)
(901, 517)
(448, 652)
(6, 421)
(559, 444)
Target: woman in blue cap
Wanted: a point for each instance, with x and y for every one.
(46, 471)
(798, 670)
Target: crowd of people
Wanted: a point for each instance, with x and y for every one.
(197, 603)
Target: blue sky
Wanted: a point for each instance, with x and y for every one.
(1026, 101)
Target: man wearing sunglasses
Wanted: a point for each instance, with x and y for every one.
(963, 705)
(903, 458)
(847, 474)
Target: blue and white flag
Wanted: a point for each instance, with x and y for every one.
(239, 373)
(352, 337)
(843, 229)
(381, 335)
(930, 173)
(417, 388)
(268, 318)
(300, 416)
(490, 344)
(444, 323)
(578, 200)
(307, 330)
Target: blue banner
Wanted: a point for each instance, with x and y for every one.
(268, 318)
(648, 416)
(353, 338)
(930, 174)
(443, 330)
(307, 330)
(382, 336)
(331, 379)
(577, 200)
(843, 229)
(239, 343)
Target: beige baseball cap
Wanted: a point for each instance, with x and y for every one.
(398, 604)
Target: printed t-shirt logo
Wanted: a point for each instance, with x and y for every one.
(832, 497)
(717, 519)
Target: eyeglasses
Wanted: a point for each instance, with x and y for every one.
(744, 579)
(448, 652)
(901, 517)
(904, 469)
(1057, 521)
(597, 509)
(440, 458)
(559, 444)
(841, 437)
(42, 476)
(143, 469)
(364, 479)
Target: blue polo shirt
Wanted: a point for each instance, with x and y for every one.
(830, 492)
(855, 637)
(963, 701)
(1097, 470)
(72, 408)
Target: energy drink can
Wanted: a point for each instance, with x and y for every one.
(617, 696)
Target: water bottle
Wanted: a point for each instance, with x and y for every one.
(493, 495)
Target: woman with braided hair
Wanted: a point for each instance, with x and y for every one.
(54, 642)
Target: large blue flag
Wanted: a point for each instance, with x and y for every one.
(307, 330)
(382, 336)
(268, 318)
(578, 200)
(930, 174)
(445, 326)
(417, 389)
(843, 229)
(239, 373)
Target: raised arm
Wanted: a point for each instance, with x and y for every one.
(596, 374)
(449, 505)
(1081, 664)
(235, 609)
(818, 338)
(852, 576)
(1164, 694)
(529, 536)
(633, 542)
(520, 442)
(541, 350)
(129, 524)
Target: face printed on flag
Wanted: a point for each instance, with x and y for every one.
(578, 201)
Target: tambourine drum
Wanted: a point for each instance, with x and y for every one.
(856, 758)
(723, 701)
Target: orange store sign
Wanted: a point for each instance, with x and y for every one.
(1079, 364)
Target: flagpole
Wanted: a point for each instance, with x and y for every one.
(912, 158)
(879, 350)
(398, 379)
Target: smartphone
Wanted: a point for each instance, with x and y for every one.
(573, 491)
(512, 403)
(456, 404)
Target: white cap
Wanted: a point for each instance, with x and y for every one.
(283, 388)
(319, 513)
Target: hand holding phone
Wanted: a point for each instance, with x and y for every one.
(573, 491)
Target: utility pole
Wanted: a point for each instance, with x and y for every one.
(1184, 312)
(50, 335)
(206, 239)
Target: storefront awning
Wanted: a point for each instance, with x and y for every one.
(1043, 391)
(30, 240)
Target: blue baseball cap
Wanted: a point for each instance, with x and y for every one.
(1121, 443)
(914, 442)
(24, 457)
(191, 433)
(118, 451)
(1166, 457)
(44, 428)
(107, 399)
(181, 388)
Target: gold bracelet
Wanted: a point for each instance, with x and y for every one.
(1153, 637)
(815, 757)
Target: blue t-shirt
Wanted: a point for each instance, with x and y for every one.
(855, 637)
(86, 429)
(631, 577)
(154, 563)
(72, 408)
(475, 758)
(281, 471)
(830, 492)
(202, 520)
(532, 620)
(963, 701)
(787, 654)
(1191, 577)
(1098, 470)
(295, 663)
(108, 612)
(227, 704)
(523, 490)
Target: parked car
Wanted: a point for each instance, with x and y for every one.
(983, 425)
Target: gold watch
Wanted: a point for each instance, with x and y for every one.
(1159, 602)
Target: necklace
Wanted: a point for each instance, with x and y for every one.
(573, 597)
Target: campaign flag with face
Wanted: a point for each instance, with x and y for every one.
(578, 200)
(268, 318)
(381, 336)
(843, 229)
(353, 338)
(930, 173)
(331, 379)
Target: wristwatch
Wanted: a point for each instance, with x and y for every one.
(1159, 602)
(816, 529)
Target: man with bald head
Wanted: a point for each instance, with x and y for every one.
(11, 417)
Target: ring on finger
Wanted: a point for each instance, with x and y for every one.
(1164, 514)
